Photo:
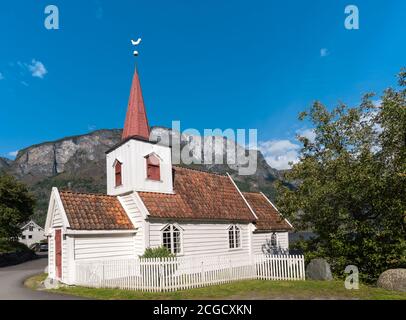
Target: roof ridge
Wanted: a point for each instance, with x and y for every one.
(87, 193)
(156, 192)
(199, 170)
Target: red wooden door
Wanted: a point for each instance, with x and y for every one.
(58, 253)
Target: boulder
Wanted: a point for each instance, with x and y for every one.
(51, 283)
(318, 269)
(393, 279)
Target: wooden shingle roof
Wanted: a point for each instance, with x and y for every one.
(198, 195)
(136, 122)
(94, 212)
(268, 217)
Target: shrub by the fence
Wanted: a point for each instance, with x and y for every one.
(159, 252)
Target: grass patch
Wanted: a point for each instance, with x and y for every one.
(35, 281)
(249, 289)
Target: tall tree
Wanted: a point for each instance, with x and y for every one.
(16, 206)
(352, 184)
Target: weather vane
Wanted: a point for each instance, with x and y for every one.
(136, 43)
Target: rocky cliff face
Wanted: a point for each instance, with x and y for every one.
(69, 155)
(4, 163)
(219, 147)
(78, 163)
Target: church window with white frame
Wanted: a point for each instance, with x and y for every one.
(234, 237)
(171, 238)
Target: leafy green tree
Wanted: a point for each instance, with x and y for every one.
(16, 206)
(352, 184)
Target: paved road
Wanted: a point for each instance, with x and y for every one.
(12, 282)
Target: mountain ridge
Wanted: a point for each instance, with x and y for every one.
(77, 163)
(57, 140)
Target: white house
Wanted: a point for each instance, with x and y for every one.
(31, 233)
(151, 203)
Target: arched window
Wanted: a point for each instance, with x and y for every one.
(118, 173)
(234, 237)
(153, 167)
(171, 238)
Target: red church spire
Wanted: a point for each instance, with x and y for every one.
(136, 122)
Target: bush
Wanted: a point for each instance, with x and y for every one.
(13, 252)
(16, 206)
(159, 252)
(351, 185)
(7, 246)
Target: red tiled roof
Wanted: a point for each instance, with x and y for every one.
(94, 212)
(198, 195)
(136, 122)
(268, 217)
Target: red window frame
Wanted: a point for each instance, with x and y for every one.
(118, 173)
(153, 168)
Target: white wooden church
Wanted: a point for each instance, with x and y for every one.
(151, 203)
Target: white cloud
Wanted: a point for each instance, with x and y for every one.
(278, 153)
(13, 154)
(307, 133)
(377, 103)
(37, 69)
(1, 76)
(24, 83)
(324, 52)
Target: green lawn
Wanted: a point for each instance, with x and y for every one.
(250, 289)
(34, 282)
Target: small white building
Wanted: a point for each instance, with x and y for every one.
(151, 203)
(31, 233)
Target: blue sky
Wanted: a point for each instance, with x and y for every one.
(209, 64)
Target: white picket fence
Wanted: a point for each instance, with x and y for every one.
(170, 274)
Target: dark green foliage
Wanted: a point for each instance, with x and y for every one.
(159, 252)
(352, 190)
(7, 246)
(16, 206)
